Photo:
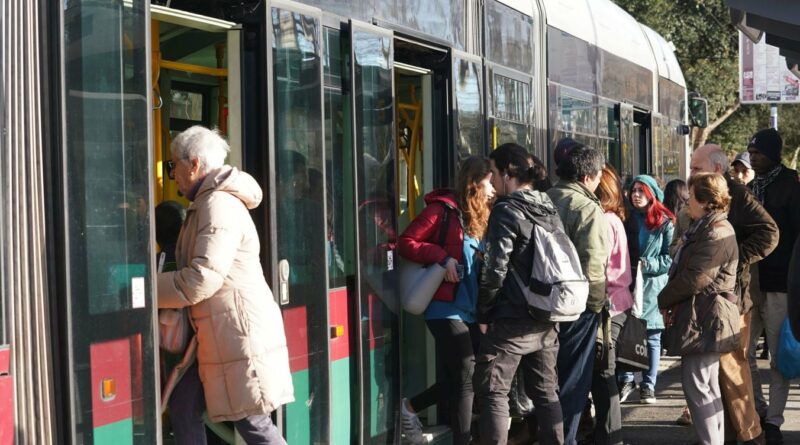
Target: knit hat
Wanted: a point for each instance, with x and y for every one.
(768, 142)
(563, 148)
(652, 184)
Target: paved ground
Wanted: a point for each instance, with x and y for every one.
(655, 424)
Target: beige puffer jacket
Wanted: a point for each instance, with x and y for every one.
(241, 352)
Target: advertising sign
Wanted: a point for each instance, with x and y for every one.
(763, 75)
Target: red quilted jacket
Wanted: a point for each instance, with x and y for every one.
(420, 241)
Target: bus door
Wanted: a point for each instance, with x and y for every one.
(297, 242)
(658, 144)
(106, 260)
(340, 242)
(373, 104)
(623, 114)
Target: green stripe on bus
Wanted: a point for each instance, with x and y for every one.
(340, 403)
(298, 414)
(117, 433)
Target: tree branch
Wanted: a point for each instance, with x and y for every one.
(724, 116)
(700, 135)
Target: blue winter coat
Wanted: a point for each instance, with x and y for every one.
(653, 251)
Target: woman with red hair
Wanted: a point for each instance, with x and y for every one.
(649, 231)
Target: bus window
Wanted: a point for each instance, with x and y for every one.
(509, 37)
(511, 108)
(468, 103)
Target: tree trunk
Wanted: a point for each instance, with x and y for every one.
(700, 135)
(794, 158)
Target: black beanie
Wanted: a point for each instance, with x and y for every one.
(563, 148)
(769, 143)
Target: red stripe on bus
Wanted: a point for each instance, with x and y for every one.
(6, 398)
(296, 326)
(111, 360)
(338, 316)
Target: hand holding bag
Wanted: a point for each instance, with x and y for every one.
(707, 322)
(419, 282)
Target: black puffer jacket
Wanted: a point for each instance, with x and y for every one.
(507, 241)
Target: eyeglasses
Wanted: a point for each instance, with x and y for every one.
(170, 166)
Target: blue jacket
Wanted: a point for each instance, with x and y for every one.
(653, 251)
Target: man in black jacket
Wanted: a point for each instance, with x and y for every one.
(778, 190)
(513, 337)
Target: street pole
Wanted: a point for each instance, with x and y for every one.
(773, 116)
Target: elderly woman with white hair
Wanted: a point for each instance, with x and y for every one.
(242, 370)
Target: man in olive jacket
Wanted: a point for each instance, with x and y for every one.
(579, 172)
(756, 236)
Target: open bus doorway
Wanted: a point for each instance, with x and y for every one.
(424, 163)
(195, 82)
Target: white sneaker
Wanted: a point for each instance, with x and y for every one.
(412, 427)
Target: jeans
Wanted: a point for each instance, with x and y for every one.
(654, 352)
(510, 343)
(455, 353)
(575, 364)
(186, 406)
(700, 378)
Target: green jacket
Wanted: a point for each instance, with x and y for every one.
(586, 226)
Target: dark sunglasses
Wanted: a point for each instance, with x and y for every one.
(170, 166)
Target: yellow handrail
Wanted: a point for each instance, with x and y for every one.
(196, 69)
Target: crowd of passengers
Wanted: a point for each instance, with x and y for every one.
(730, 231)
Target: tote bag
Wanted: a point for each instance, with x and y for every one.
(174, 330)
(632, 353)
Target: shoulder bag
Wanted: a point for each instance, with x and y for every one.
(419, 282)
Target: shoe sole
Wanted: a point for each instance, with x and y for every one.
(648, 401)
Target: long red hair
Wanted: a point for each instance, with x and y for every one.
(656, 211)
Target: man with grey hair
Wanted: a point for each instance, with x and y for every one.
(757, 236)
(242, 369)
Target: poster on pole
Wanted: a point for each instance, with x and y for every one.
(763, 75)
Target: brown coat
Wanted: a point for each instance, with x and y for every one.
(708, 260)
(241, 345)
(756, 235)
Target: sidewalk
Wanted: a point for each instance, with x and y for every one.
(655, 424)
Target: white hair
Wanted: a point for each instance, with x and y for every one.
(718, 158)
(198, 142)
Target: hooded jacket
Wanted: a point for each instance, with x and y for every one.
(586, 226)
(508, 244)
(241, 345)
(420, 241)
(655, 260)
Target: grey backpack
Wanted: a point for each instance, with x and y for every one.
(558, 289)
